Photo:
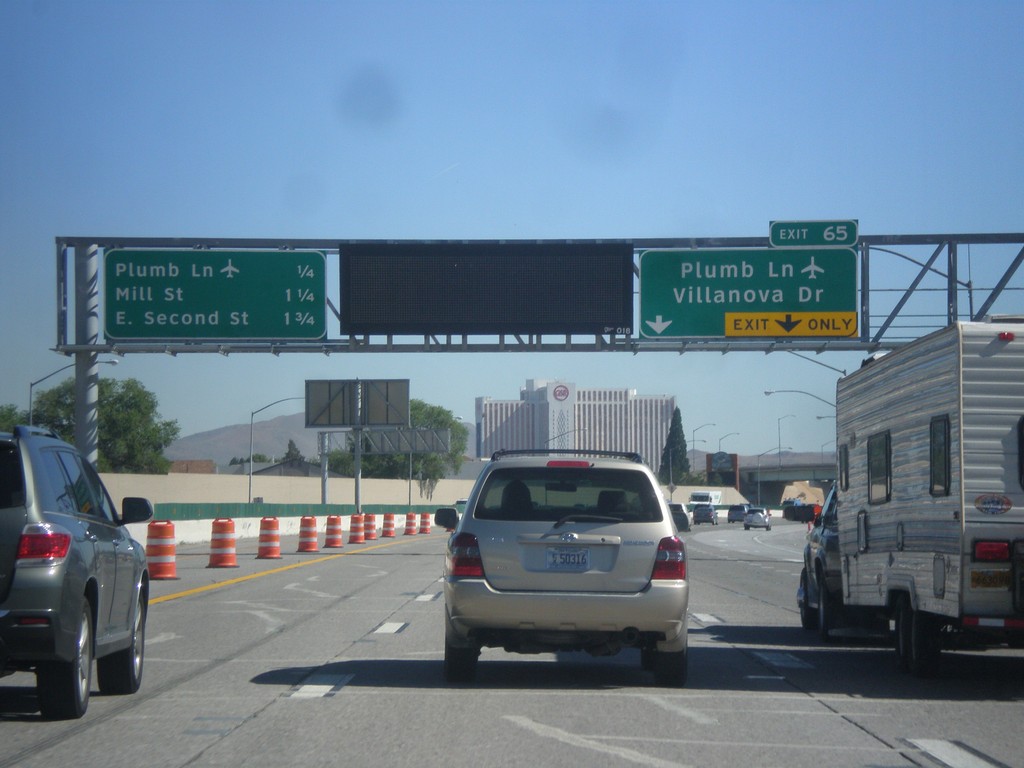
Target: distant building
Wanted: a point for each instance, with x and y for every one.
(194, 466)
(558, 414)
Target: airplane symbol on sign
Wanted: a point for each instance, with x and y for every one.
(813, 268)
(230, 269)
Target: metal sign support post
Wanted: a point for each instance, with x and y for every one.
(87, 372)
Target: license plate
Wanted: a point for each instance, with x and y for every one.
(990, 579)
(568, 558)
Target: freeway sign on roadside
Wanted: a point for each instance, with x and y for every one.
(766, 292)
(214, 295)
(813, 234)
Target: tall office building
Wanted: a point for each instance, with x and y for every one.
(558, 414)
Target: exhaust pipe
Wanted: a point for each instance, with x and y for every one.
(630, 636)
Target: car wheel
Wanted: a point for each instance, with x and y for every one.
(670, 668)
(121, 672)
(767, 527)
(459, 663)
(63, 686)
(746, 527)
(824, 609)
(917, 641)
(808, 620)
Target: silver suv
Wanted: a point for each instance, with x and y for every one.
(565, 550)
(73, 583)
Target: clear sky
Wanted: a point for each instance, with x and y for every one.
(485, 120)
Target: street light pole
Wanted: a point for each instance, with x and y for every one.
(693, 435)
(251, 416)
(779, 425)
(723, 438)
(768, 392)
(759, 470)
(32, 385)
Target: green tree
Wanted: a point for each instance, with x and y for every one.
(293, 453)
(131, 437)
(675, 465)
(11, 416)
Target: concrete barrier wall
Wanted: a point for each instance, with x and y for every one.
(225, 495)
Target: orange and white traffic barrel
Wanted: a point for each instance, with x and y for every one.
(370, 526)
(161, 550)
(334, 536)
(410, 524)
(389, 526)
(222, 544)
(270, 539)
(425, 522)
(355, 534)
(307, 535)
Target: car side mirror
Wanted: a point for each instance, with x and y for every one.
(446, 517)
(135, 509)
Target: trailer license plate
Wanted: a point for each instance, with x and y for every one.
(990, 579)
(568, 558)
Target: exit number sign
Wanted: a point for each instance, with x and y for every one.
(813, 234)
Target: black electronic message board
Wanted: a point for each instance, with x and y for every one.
(487, 288)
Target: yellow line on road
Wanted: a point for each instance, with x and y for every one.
(270, 572)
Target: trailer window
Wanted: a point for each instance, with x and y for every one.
(939, 466)
(1020, 451)
(844, 467)
(879, 468)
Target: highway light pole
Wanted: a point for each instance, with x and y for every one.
(779, 424)
(768, 392)
(32, 385)
(693, 449)
(723, 438)
(251, 416)
(759, 470)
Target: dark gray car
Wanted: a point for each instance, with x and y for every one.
(73, 582)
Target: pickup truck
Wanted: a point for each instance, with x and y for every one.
(819, 596)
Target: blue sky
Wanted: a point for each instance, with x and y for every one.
(486, 120)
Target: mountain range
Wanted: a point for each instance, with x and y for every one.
(271, 438)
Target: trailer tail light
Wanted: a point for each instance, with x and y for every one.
(1006, 336)
(43, 544)
(670, 562)
(464, 557)
(992, 551)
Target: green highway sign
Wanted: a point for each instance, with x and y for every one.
(207, 295)
(813, 234)
(766, 292)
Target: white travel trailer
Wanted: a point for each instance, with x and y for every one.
(930, 489)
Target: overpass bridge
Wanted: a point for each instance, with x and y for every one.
(766, 484)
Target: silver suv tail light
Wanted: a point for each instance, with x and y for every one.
(670, 562)
(464, 557)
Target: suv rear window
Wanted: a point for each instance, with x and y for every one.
(551, 493)
(12, 479)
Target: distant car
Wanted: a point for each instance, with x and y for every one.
(74, 586)
(757, 517)
(680, 516)
(565, 551)
(737, 512)
(704, 513)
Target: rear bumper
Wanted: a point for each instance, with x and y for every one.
(23, 644)
(473, 605)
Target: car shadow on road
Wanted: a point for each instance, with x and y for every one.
(564, 671)
(862, 665)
